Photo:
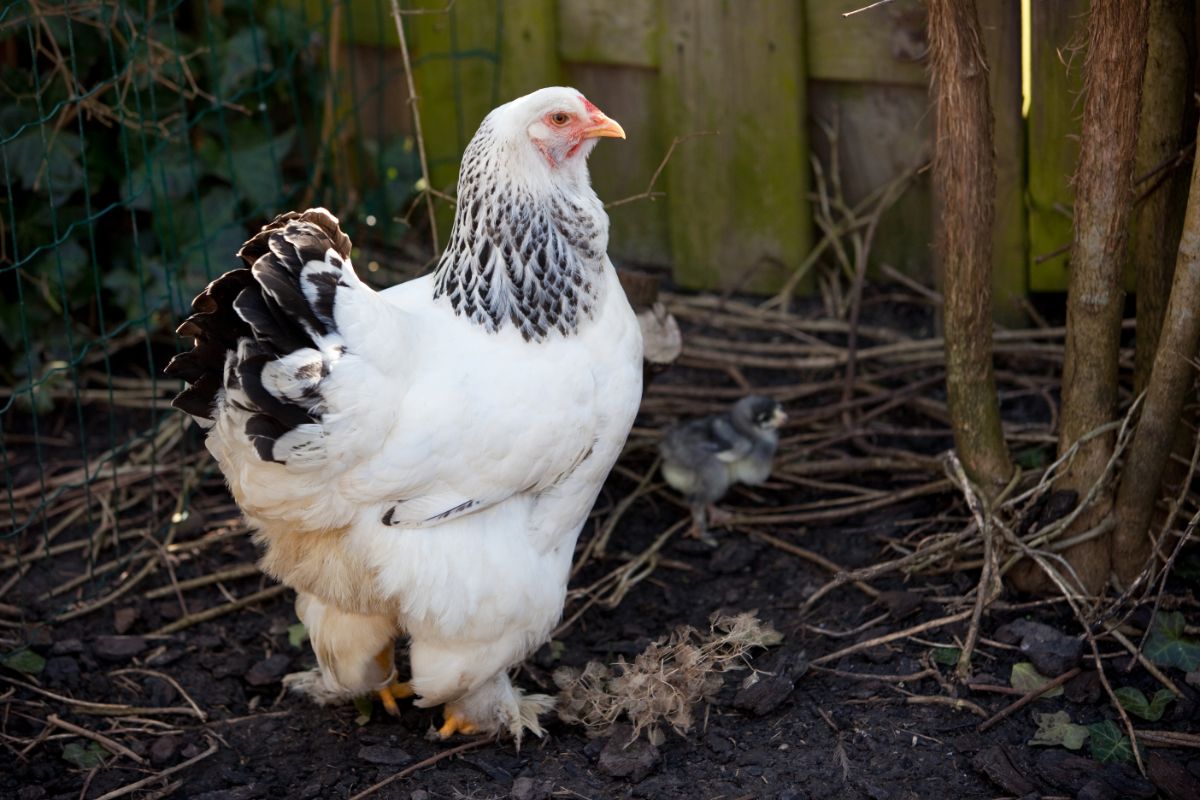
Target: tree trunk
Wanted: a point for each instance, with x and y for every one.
(1116, 60)
(965, 182)
(1166, 92)
(1171, 378)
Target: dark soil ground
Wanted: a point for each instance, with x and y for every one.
(807, 732)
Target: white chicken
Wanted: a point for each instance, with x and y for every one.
(420, 461)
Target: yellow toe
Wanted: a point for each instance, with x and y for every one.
(394, 691)
(456, 723)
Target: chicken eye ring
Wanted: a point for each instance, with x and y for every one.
(560, 118)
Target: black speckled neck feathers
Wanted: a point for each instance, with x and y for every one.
(527, 253)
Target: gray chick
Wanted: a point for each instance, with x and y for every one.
(703, 457)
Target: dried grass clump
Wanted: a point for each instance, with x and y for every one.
(665, 681)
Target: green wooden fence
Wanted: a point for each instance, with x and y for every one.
(765, 78)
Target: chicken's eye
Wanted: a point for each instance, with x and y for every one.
(560, 118)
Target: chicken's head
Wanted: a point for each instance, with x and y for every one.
(559, 123)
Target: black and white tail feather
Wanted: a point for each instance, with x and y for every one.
(266, 336)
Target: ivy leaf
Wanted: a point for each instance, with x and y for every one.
(50, 165)
(946, 655)
(1134, 701)
(1057, 729)
(1033, 458)
(1168, 647)
(1108, 743)
(297, 634)
(256, 169)
(25, 661)
(85, 757)
(1026, 678)
(245, 54)
(164, 178)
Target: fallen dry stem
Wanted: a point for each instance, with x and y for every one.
(1027, 698)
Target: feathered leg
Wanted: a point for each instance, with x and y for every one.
(354, 655)
(476, 691)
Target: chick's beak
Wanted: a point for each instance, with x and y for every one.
(603, 126)
(779, 417)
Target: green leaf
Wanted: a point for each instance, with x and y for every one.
(50, 165)
(85, 756)
(1032, 458)
(25, 661)
(1057, 730)
(297, 634)
(256, 169)
(1026, 678)
(557, 648)
(1166, 645)
(1134, 701)
(245, 54)
(1108, 743)
(164, 177)
(946, 655)
(365, 706)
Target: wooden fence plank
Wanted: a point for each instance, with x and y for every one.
(455, 57)
(1001, 24)
(599, 32)
(881, 45)
(1053, 130)
(883, 131)
(630, 95)
(738, 201)
(528, 56)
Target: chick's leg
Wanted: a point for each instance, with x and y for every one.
(354, 653)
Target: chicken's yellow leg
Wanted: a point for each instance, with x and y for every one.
(456, 723)
(395, 690)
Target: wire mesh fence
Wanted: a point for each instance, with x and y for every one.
(140, 143)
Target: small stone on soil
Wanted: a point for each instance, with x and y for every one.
(880, 653)
(901, 604)
(997, 763)
(1172, 778)
(269, 670)
(1086, 778)
(382, 754)
(733, 556)
(1051, 651)
(66, 647)
(771, 691)
(247, 792)
(118, 648)
(123, 619)
(1084, 688)
(621, 758)
(163, 749)
(793, 794)
(529, 789)
(61, 669)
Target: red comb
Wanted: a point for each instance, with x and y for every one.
(587, 104)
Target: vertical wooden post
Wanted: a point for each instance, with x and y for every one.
(1157, 222)
(1000, 23)
(738, 202)
(528, 47)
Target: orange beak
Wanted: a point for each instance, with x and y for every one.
(603, 126)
